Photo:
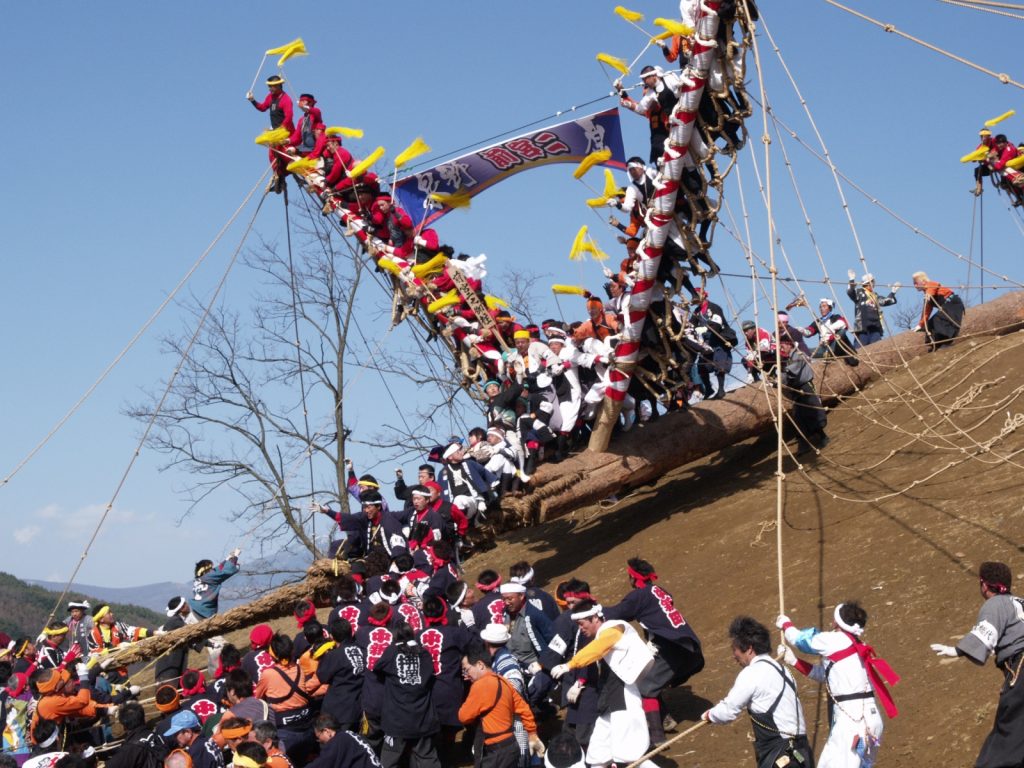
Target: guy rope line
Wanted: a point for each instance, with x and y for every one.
(159, 407)
(973, 7)
(1002, 77)
(995, 4)
(662, 747)
(138, 335)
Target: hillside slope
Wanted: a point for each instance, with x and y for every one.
(910, 556)
(24, 608)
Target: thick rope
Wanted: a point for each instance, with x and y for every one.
(661, 748)
(1002, 77)
(138, 335)
(156, 411)
(973, 7)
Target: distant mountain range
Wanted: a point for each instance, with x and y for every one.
(24, 607)
(254, 579)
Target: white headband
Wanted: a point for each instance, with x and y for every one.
(635, 164)
(853, 629)
(176, 606)
(595, 611)
(524, 579)
(512, 588)
(462, 596)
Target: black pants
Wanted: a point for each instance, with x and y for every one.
(767, 755)
(944, 325)
(1004, 746)
(502, 755)
(421, 751)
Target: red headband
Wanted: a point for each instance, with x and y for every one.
(306, 616)
(578, 596)
(642, 578)
(489, 587)
(381, 622)
(442, 620)
(995, 586)
(198, 688)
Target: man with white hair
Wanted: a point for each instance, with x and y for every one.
(853, 677)
(620, 735)
(867, 319)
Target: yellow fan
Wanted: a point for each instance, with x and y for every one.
(414, 150)
(569, 290)
(674, 27)
(272, 138)
(576, 252)
(458, 199)
(295, 48)
(614, 62)
(301, 165)
(662, 36)
(340, 130)
(1017, 163)
(979, 154)
(450, 298)
(385, 263)
(588, 162)
(997, 120)
(628, 15)
(436, 264)
(360, 168)
(493, 302)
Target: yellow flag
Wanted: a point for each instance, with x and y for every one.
(979, 154)
(568, 290)
(436, 264)
(493, 302)
(577, 250)
(997, 120)
(595, 253)
(295, 48)
(614, 62)
(611, 189)
(662, 36)
(273, 138)
(597, 202)
(339, 130)
(452, 297)
(629, 15)
(1017, 163)
(301, 165)
(674, 27)
(414, 150)
(385, 263)
(361, 167)
(588, 162)
(458, 199)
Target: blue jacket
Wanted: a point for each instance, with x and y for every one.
(206, 589)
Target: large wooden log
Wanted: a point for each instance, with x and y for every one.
(644, 455)
(317, 586)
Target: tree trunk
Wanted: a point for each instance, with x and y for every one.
(317, 586)
(644, 455)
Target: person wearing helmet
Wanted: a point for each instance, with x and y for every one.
(867, 323)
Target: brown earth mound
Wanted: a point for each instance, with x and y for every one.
(898, 512)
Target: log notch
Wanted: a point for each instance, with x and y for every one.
(644, 455)
(317, 586)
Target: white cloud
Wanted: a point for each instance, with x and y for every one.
(26, 534)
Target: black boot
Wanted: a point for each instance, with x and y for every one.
(720, 394)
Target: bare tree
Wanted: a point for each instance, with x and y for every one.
(259, 405)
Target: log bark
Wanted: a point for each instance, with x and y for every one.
(317, 586)
(644, 455)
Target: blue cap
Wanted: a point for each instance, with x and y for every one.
(184, 720)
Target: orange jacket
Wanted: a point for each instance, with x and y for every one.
(494, 702)
(281, 688)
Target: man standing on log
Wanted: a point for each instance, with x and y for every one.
(677, 649)
(768, 692)
(1000, 631)
(208, 581)
(809, 415)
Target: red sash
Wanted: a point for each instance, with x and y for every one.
(876, 668)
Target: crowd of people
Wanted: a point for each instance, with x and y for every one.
(412, 664)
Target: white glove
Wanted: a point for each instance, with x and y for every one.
(235, 553)
(896, 286)
(573, 694)
(782, 620)
(134, 690)
(851, 274)
(348, 462)
(112, 710)
(536, 745)
(106, 662)
(944, 650)
(82, 671)
(534, 668)
(652, 648)
(159, 631)
(614, 202)
(918, 328)
(607, 272)
(786, 654)
(559, 670)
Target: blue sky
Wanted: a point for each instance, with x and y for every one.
(133, 145)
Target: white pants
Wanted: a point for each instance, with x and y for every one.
(621, 737)
(839, 751)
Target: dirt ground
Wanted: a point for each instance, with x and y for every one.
(865, 520)
(920, 484)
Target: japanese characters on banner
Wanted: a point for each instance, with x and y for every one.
(471, 174)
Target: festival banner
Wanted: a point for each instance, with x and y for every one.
(469, 175)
